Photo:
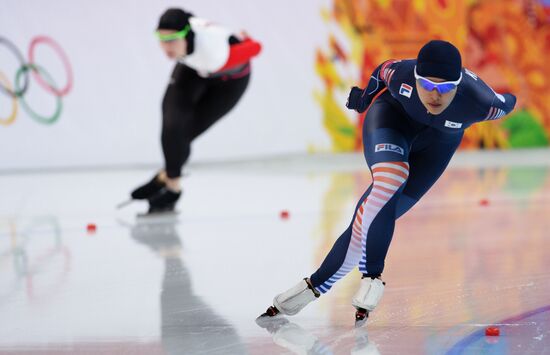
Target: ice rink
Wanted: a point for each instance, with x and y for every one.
(473, 253)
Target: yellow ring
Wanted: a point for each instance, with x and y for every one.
(8, 120)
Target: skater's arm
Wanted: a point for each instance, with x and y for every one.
(493, 105)
(503, 104)
(240, 52)
(359, 99)
(500, 106)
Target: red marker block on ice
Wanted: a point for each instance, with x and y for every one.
(285, 214)
(492, 331)
(91, 228)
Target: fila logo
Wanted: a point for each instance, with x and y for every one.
(388, 147)
(452, 124)
(405, 90)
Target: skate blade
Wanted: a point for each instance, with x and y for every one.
(271, 322)
(124, 204)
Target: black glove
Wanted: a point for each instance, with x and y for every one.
(356, 100)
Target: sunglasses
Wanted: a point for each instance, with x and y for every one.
(173, 36)
(443, 87)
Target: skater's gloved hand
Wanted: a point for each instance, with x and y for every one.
(356, 100)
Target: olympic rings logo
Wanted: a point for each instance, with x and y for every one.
(41, 77)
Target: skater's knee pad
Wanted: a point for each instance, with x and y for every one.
(295, 299)
(369, 294)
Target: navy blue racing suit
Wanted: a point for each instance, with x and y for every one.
(407, 149)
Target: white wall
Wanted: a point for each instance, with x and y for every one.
(112, 115)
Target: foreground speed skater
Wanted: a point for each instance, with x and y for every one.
(417, 111)
(212, 72)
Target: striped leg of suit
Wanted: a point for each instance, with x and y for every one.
(367, 239)
(376, 216)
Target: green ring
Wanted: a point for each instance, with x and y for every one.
(37, 117)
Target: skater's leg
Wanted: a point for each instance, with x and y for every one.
(390, 134)
(179, 117)
(220, 97)
(191, 105)
(386, 147)
(374, 223)
(429, 157)
(388, 152)
(336, 257)
(180, 97)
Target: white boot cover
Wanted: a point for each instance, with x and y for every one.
(295, 299)
(369, 294)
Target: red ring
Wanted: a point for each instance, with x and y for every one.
(57, 48)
